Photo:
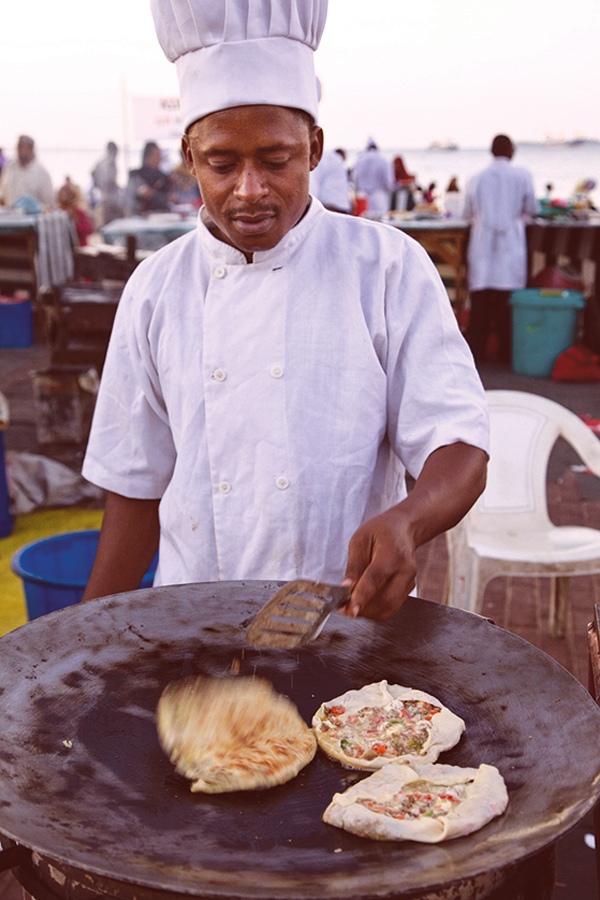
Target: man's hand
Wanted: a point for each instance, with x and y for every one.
(382, 566)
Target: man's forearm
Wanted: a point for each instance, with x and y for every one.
(128, 541)
(452, 479)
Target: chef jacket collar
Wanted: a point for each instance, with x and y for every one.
(226, 254)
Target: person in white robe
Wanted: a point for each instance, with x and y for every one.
(373, 177)
(498, 202)
(25, 178)
(272, 375)
(329, 182)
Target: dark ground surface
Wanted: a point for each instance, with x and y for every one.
(519, 605)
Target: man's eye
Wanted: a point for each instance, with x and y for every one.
(221, 167)
(276, 163)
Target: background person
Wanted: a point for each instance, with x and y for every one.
(185, 193)
(497, 204)
(373, 176)
(70, 198)
(271, 373)
(329, 182)
(25, 177)
(105, 187)
(402, 197)
(148, 188)
(453, 199)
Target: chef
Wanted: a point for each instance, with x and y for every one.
(373, 176)
(272, 375)
(498, 201)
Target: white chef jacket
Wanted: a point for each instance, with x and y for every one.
(261, 401)
(497, 201)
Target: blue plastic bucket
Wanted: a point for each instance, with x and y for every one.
(544, 324)
(56, 570)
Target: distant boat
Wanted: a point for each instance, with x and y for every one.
(551, 141)
(443, 145)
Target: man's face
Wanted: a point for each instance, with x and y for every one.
(153, 158)
(25, 152)
(252, 165)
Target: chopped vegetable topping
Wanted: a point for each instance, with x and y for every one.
(418, 799)
(374, 732)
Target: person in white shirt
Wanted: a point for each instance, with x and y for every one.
(26, 177)
(497, 204)
(329, 182)
(272, 374)
(373, 176)
(109, 195)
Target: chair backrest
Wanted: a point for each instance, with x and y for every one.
(524, 429)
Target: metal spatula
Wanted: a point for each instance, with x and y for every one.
(296, 614)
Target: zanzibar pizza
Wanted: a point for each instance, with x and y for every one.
(424, 802)
(232, 734)
(379, 723)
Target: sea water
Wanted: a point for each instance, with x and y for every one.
(561, 165)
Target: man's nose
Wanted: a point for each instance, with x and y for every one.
(250, 184)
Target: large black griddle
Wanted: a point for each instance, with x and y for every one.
(111, 805)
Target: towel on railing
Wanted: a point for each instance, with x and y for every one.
(55, 262)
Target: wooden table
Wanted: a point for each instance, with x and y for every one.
(107, 262)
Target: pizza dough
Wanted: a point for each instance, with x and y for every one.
(423, 802)
(232, 734)
(376, 724)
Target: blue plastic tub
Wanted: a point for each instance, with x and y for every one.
(16, 322)
(56, 569)
(544, 324)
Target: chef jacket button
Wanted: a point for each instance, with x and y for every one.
(224, 487)
(282, 483)
(277, 371)
(220, 272)
(219, 374)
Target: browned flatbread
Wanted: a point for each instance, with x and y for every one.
(424, 802)
(232, 734)
(380, 723)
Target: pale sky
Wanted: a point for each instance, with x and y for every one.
(404, 73)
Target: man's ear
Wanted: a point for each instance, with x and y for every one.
(316, 146)
(187, 154)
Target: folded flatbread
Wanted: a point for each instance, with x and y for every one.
(232, 734)
(379, 723)
(424, 802)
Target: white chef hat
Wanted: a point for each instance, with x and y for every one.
(241, 52)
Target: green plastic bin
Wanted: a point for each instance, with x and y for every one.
(544, 324)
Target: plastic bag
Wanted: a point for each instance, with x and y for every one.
(35, 481)
(577, 363)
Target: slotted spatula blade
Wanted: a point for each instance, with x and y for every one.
(296, 614)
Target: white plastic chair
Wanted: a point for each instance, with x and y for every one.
(508, 531)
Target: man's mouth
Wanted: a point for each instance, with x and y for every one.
(253, 223)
